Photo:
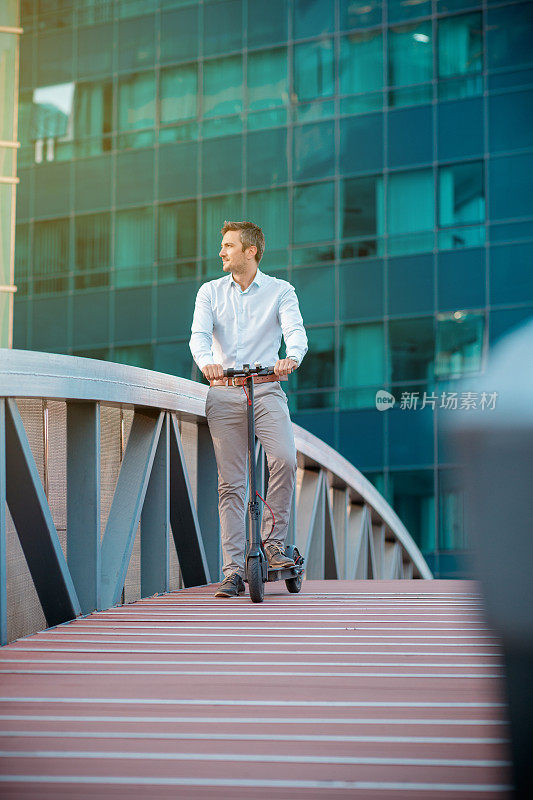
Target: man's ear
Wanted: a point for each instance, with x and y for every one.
(252, 250)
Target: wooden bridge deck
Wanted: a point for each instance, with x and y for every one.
(351, 689)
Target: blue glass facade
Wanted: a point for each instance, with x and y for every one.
(386, 148)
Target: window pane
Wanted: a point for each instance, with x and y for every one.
(174, 358)
(361, 62)
(136, 102)
(314, 70)
(222, 165)
(362, 207)
(267, 79)
(400, 9)
(410, 212)
(459, 343)
(362, 355)
(270, 210)
(509, 35)
(461, 194)
(314, 151)
(413, 499)
(314, 213)
(410, 54)
(179, 34)
(452, 533)
(95, 50)
(177, 231)
(267, 22)
(360, 13)
(222, 86)
(411, 343)
(52, 112)
(266, 157)
(93, 104)
(222, 27)
(315, 287)
(460, 45)
(214, 211)
(136, 42)
(92, 249)
(134, 246)
(51, 242)
(139, 355)
(318, 366)
(178, 90)
(312, 18)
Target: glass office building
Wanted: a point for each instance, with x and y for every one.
(386, 148)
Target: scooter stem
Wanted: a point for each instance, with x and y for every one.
(255, 534)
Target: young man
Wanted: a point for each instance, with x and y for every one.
(239, 319)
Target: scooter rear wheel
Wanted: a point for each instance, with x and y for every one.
(294, 584)
(254, 575)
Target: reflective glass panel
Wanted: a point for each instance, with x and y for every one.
(51, 243)
(413, 499)
(223, 86)
(179, 34)
(95, 50)
(134, 246)
(267, 22)
(460, 45)
(222, 26)
(411, 349)
(461, 194)
(314, 70)
(214, 211)
(174, 358)
(177, 231)
(362, 355)
(93, 108)
(314, 151)
(136, 101)
(360, 13)
(270, 210)
(266, 157)
(136, 48)
(509, 35)
(222, 165)
(410, 54)
(459, 343)
(318, 367)
(361, 62)
(313, 213)
(362, 207)
(313, 18)
(178, 92)
(51, 116)
(452, 531)
(410, 211)
(267, 79)
(315, 287)
(138, 355)
(92, 249)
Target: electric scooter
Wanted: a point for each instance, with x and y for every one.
(257, 570)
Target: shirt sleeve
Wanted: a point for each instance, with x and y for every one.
(201, 340)
(292, 325)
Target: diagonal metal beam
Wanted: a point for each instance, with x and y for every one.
(34, 524)
(83, 501)
(207, 499)
(155, 521)
(183, 516)
(3, 530)
(125, 512)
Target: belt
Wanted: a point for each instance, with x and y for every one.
(238, 381)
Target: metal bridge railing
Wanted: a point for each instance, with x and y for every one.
(108, 493)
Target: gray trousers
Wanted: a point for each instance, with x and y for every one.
(226, 411)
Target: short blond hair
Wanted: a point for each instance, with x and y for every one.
(251, 236)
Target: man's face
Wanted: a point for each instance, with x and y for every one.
(231, 252)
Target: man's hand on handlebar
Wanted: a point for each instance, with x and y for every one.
(213, 371)
(285, 366)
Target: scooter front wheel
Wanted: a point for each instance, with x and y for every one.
(254, 575)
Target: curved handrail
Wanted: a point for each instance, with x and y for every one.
(26, 373)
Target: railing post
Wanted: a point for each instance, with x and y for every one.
(155, 520)
(83, 501)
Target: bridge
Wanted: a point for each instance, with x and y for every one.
(122, 675)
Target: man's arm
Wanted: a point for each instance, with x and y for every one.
(202, 335)
(293, 332)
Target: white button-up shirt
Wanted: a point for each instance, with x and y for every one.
(231, 327)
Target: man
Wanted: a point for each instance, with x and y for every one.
(239, 319)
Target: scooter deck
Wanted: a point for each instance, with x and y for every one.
(284, 574)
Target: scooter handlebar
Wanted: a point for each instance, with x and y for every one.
(247, 370)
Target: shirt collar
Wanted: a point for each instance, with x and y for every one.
(258, 280)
